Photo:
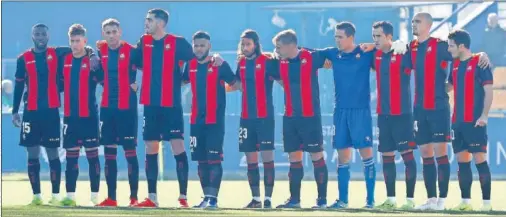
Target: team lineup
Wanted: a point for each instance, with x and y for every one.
(168, 62)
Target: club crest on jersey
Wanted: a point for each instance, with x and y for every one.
(469, 68)
(303, 61)
(49, 57)
(210, 70)
(357, 56)
(84, 66)
(393, 59)
(429, 49)
(339, 56)
(259, 66)
(122, 56)
(167, 46)
(367, 138)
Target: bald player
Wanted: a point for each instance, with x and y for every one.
(430, 59)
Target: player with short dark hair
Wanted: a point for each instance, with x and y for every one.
(207, 120)
(395, 115)
(352, 114)
(37, 69)
(256, 131)
(80, 123)
(473, 95)
(302, 127)
(118, 109)
(430, 59)
(159, 54)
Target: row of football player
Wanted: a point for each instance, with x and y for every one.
(302, 123)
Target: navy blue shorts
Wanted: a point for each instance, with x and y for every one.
(302, 134)
(118, 127)
(467, 137)
(396, 133)
(162, 123)
(40, 127)
(79, 132)
(256, 135)
(353, 128)
(206, 142)
(432, 126)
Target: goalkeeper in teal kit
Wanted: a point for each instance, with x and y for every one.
(352, 114)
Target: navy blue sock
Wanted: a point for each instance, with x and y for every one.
(182, 172)
(443, 170)
(55, 173)
(269, 177)
(203, 172)
(410, 172)
(254, 179)
(94, 169)
(370, 179)
(111, 171)
(34, 174)
(465, 175)
(485, 179)
(72, 170)
(389, 174)
(343, 178)
(295, 176)
(133, 171)
(321, 175)
(215, 175)
(430, 176)
(152, 171)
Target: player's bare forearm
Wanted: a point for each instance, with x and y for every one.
(487, 102)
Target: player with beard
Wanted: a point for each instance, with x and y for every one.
(207, 120)
(37, 69)
(256, 131)
(118, 109)
(430, 59)
(158, 54)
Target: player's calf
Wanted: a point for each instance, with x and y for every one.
(34, 173)
(181, 158)
(133, 172)
(321, 176)
(71, 174)
(55, 173)
(94, 172)
(485, 179)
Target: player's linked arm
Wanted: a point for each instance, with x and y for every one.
(19, 85)
(487, 81)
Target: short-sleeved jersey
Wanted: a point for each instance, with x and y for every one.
(79, 86)
(119, 73)
(159, 60)
(468, 80)
(256, 82)
(40, 73)
(300, 82)
(393, 73)
(208, 90)
(430, 62)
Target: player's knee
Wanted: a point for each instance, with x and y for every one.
(464, 157)
(296, 156)
(344, 156)
(427, 151)
(267, 156)
(316, 156)
(52, 153)
(152, 147)
(33, 152)
(177, 146)
(366, 153)
(480, 157)
(441, 149)
(251, 157)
